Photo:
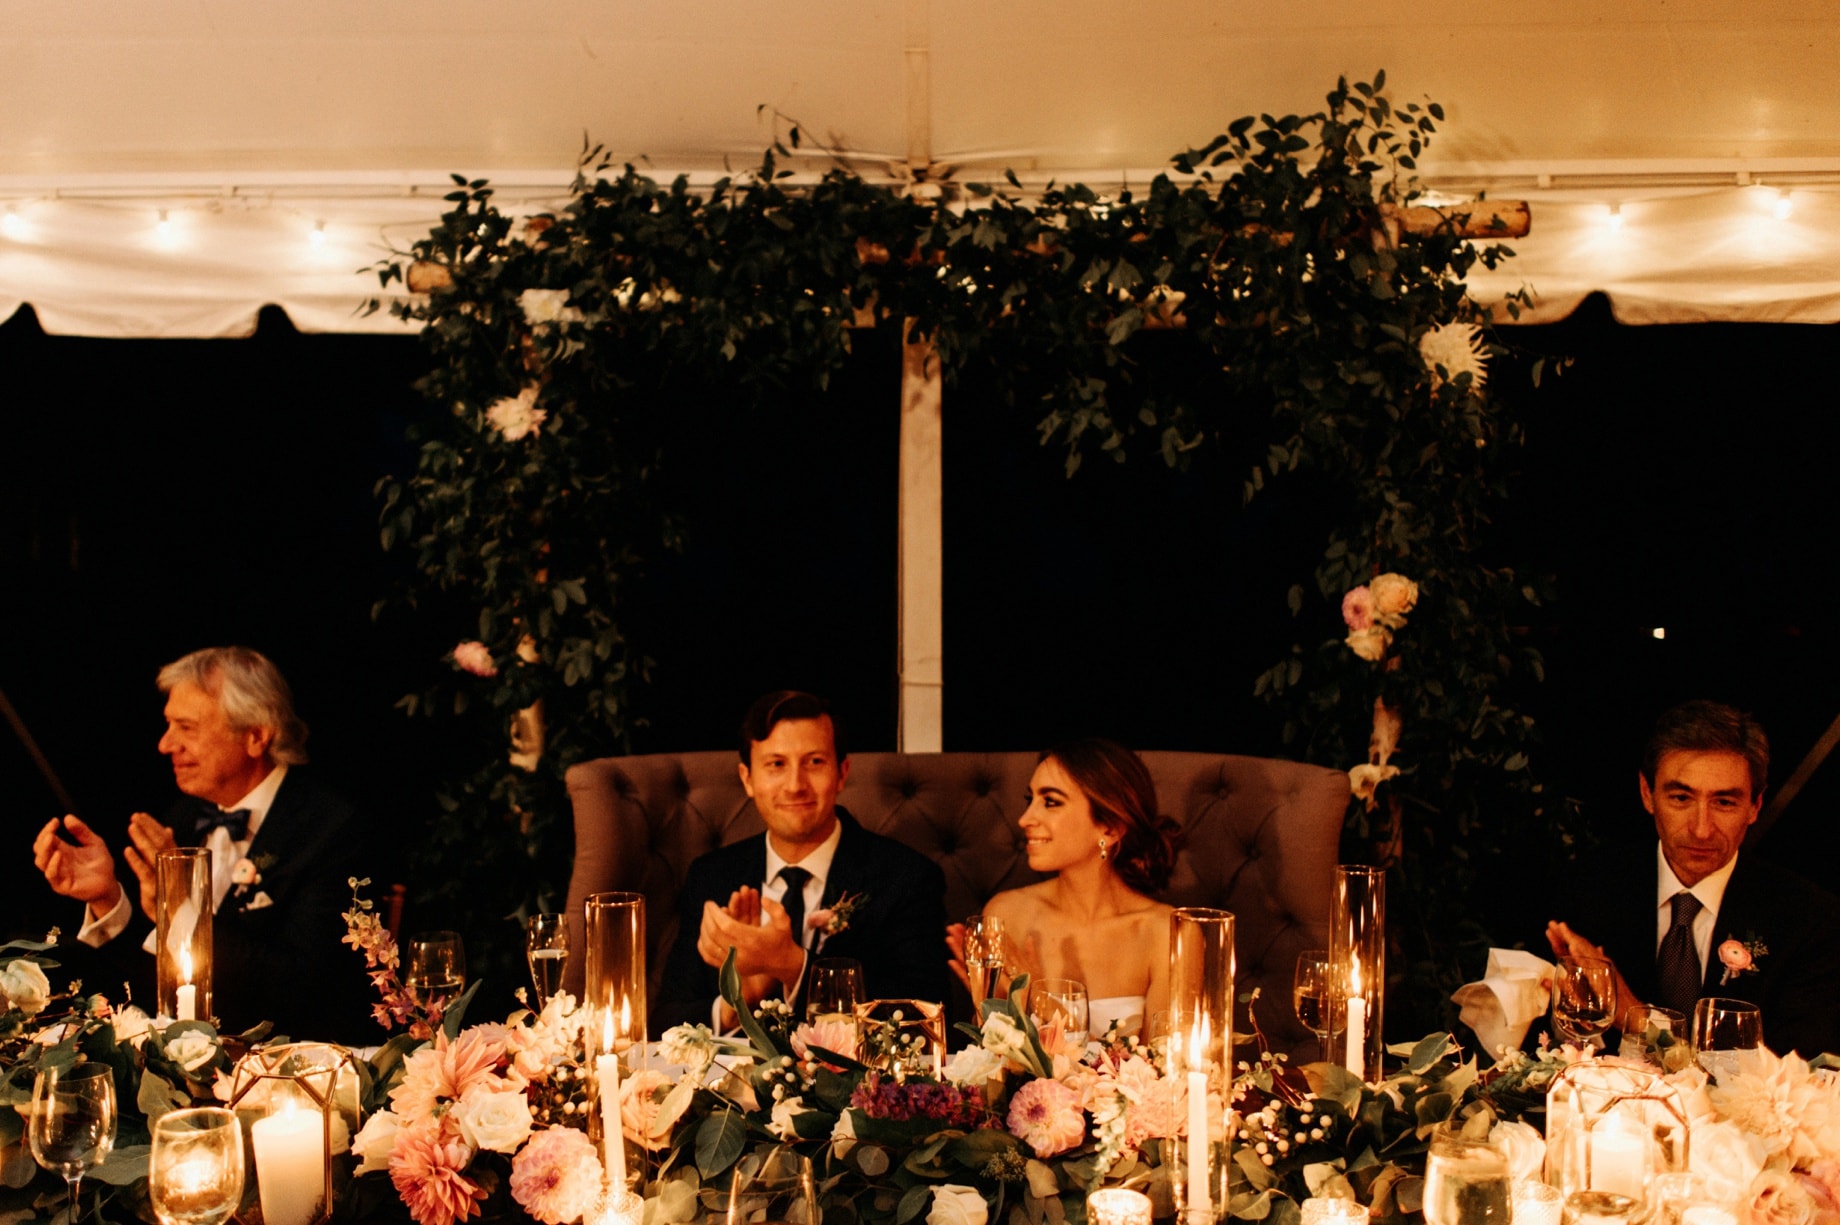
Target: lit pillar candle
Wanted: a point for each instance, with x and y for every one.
(185, 1007)
(1354, 1056)
(607, 1074)
(290, 1166)
(1199, 1200)
(1617, 1159)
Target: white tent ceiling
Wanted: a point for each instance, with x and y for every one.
(251, 122)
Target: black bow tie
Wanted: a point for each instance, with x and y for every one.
(236, 821)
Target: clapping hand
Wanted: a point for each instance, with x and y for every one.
(85, 871)
(148, 838)
(766, 953)
(1568, 945)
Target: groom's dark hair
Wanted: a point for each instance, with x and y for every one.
(770, 709)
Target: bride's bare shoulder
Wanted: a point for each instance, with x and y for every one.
(1019, 902)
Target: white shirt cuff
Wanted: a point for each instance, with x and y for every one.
(98, 932)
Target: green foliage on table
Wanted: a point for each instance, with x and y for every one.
(668, 304)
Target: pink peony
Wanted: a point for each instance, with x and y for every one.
(557, 1176)
(1358, 608)
(475, 658)
(440, 1075)
(1046, 1116)
(429, 1174)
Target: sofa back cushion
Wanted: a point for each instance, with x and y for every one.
(1260, 837)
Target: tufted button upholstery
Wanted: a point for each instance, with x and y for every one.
(1261, 840)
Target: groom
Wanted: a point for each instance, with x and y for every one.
(767, 897)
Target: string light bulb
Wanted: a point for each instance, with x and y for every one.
(1616, 218)
(13, 225)
(1783, 206)
(317, 238)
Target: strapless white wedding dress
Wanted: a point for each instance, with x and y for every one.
(1128, 1010)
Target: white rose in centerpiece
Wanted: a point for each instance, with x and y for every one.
(973, 1066)
(1726, 1156)
(25, 986)
(375, 1141)
(493, 1119)
(1002, 1037)
(784, 1112)
(691, 1047)
(192, 1050)
(1523, 1146)
(956, 1205)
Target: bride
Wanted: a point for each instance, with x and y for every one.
(1092, 823)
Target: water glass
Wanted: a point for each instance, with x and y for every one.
(1583, 1000)
(1537, 1203)
(72, 1126)
(1061, 1003)
(195, 1172)
(1647, 1028)
(1723, 1031)
(777, 1187)
(546, 945)
(833, 989)
(1467, 1180)
(435, 968)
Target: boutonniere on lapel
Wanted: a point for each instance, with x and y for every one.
(835, 919)
(246, 875)
(1740, 957)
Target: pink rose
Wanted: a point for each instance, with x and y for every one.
(1046, 1116)
(1358, 608)
(474, 657)
(1735, 956)
(1781, 1198)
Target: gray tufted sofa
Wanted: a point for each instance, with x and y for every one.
(1261, 838)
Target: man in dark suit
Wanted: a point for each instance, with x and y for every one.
(284, 848)
(1691, 917)
(767, 897)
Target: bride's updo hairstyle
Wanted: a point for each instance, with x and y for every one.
(1117, 783)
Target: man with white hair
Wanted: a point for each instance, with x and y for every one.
(283, 849)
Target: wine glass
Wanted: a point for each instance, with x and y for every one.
(1583, 1000)
(546, 945)
(983, 956)
(834, 990)
(777, 1187)
(195, 1174)
(73, 1122)
(435, 968)
(1723, 1032)
(1061, 1002)
(1467, 1180)
(1313, 996)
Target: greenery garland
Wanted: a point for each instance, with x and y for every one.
(562, 342)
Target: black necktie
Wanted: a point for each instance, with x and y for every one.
(1677, 971)
(794, 900)
(236, 821)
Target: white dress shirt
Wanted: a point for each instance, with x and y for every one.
(818, 863)
(1711, 893)
(224, 855)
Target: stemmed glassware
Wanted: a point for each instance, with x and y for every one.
(984, 954)
(777, 1187)
(1467, 1180)
(1723, 1031)
(1583, 1000)
(435, 968)
(1062, 1003)
(1313, 996)
(546, 945)
(73, 1122)
(834, 989)
(195, 1173)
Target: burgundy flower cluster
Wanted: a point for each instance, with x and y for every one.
(950, 1105)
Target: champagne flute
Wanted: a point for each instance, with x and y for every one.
(983, 956)
(546, 945)
(834, 990)
(1061, 1002)
(777, 1187)
(1313, 996)
(435, 969)
(1583, 1000)
(195, 1174)
(73, 1122)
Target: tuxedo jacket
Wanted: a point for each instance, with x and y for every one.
(1796, 983)
(282, 960)
(897, 930)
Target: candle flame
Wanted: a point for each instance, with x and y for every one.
(1354, 978)
(185, 964)
(1198, 1041)
(607, 1031)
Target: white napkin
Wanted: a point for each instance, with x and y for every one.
(1506, 1001)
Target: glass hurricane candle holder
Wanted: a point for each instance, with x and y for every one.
(902, 1037)
(1357, 956)
(1613, 1129)
(614, 994)
(1118, 1206)
(1201, 1054)
(299, 1102)
(183, 903)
